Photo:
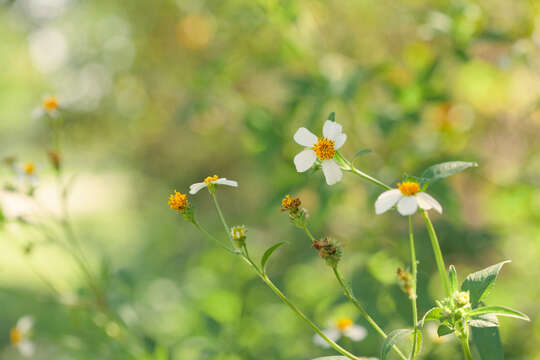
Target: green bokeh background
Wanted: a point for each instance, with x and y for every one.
(157, 95)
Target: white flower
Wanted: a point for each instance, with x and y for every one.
(343, 327)
(323, 148)
(195, 188)
(408, 198)
(49, 106)
(19, 336)
(26, 173)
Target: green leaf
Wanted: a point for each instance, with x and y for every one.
(362, 152)
(332, 116)
(418, 344)
(479, 283)
(486, 320)
(498, 310)
(443, 330)
(267, 254)
(442, 170)
(332, 358)
(453, 278)
(391, 340)
(488, 343)
(433, 314)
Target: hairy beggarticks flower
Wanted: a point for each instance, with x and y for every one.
(408, 197)
(297, 214)
(50, 103)
(19, 336)
(180, 203)
(211, 182)
(329, 250)
(238, 234)
(342, 327)
(323, 148)
(26, 173)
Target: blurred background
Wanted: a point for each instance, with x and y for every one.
(155, 96)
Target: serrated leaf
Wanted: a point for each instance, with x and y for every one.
(445, 169)
(486, 320)
(499, 311)
(433, 314)
(488, 343)
(443, 330)
(267, 254)
(479, 283)
(391, 340)
(332, 116)
(453, 278)
(332, 358)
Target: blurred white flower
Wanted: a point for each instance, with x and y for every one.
(408, 198)
(343, 327)
(20, 336)
(195, 188)
(26, 173)
(323, 148)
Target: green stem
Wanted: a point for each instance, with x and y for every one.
(309, 233)
(413, 295)
(220, 213)
(212, 238)
(305, 318)
(356, 302)
(466, 348)
(367, 177)
(438, 254)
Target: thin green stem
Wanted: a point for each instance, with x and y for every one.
(413, 295)
(367, 177)
(438, 254)
(307, 320)
(309, 233)
(356, 302)
(212, 238)
(220, 213)
(466, 348)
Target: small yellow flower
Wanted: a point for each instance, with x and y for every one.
(290, 204)
(50, 103)
(29, 168)
(408, 188)
(344, 323)
(178, 201)
(210, 179)
(324, 148)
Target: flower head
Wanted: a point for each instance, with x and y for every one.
(342, 327)
(322, 148)
(290, 204)
(238, 234)
(211, 182)
(297, 214)
(178, 201)
(26, 173)
(408, 197)
(329, 250)
(19, 336)
(50, 103)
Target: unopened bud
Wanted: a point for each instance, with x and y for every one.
(462, 298)
(405, 281)
(238, 234)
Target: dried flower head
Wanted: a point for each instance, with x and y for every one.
(55, 159)
(329, 250)
(406, 282)
(290, 204)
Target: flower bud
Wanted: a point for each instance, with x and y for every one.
(297, 215)
(180, 203)
(329, 250)
(462, 298)
(238, 234)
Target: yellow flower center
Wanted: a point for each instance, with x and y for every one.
(344, 323)
(210, 179)
(29, 168)
(178, 201)
(324, 148)
(15, 336)
(50, 103)
(408, 188)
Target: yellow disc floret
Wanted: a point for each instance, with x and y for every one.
(29, 168)
(178, 201)
(211, 179)
(324, 148)
(344, 323)
(50, 103)
(288, 203)
(15, 336)
(408, 188)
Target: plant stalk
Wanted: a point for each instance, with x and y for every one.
(466, 348)
(413, 295)
(438, 254)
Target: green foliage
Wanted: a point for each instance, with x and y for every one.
(268, 253)
(453, 278)
(497, 310)
(443, 170)
(488, 343)
(479, 283)
(391, 340)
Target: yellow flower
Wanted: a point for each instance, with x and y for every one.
(178, 201)
(290, 204)
(50, 103)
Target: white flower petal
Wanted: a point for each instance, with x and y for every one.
(224, 181)
(25, 324)
(304, 160)
(387, 200)
(195, 188)
(332, 171)
(340, 140)
(331, 130)
(355, 332)
(333, 334)
(426, 202)
(26, 348)
(407, 205)
(305, 137)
